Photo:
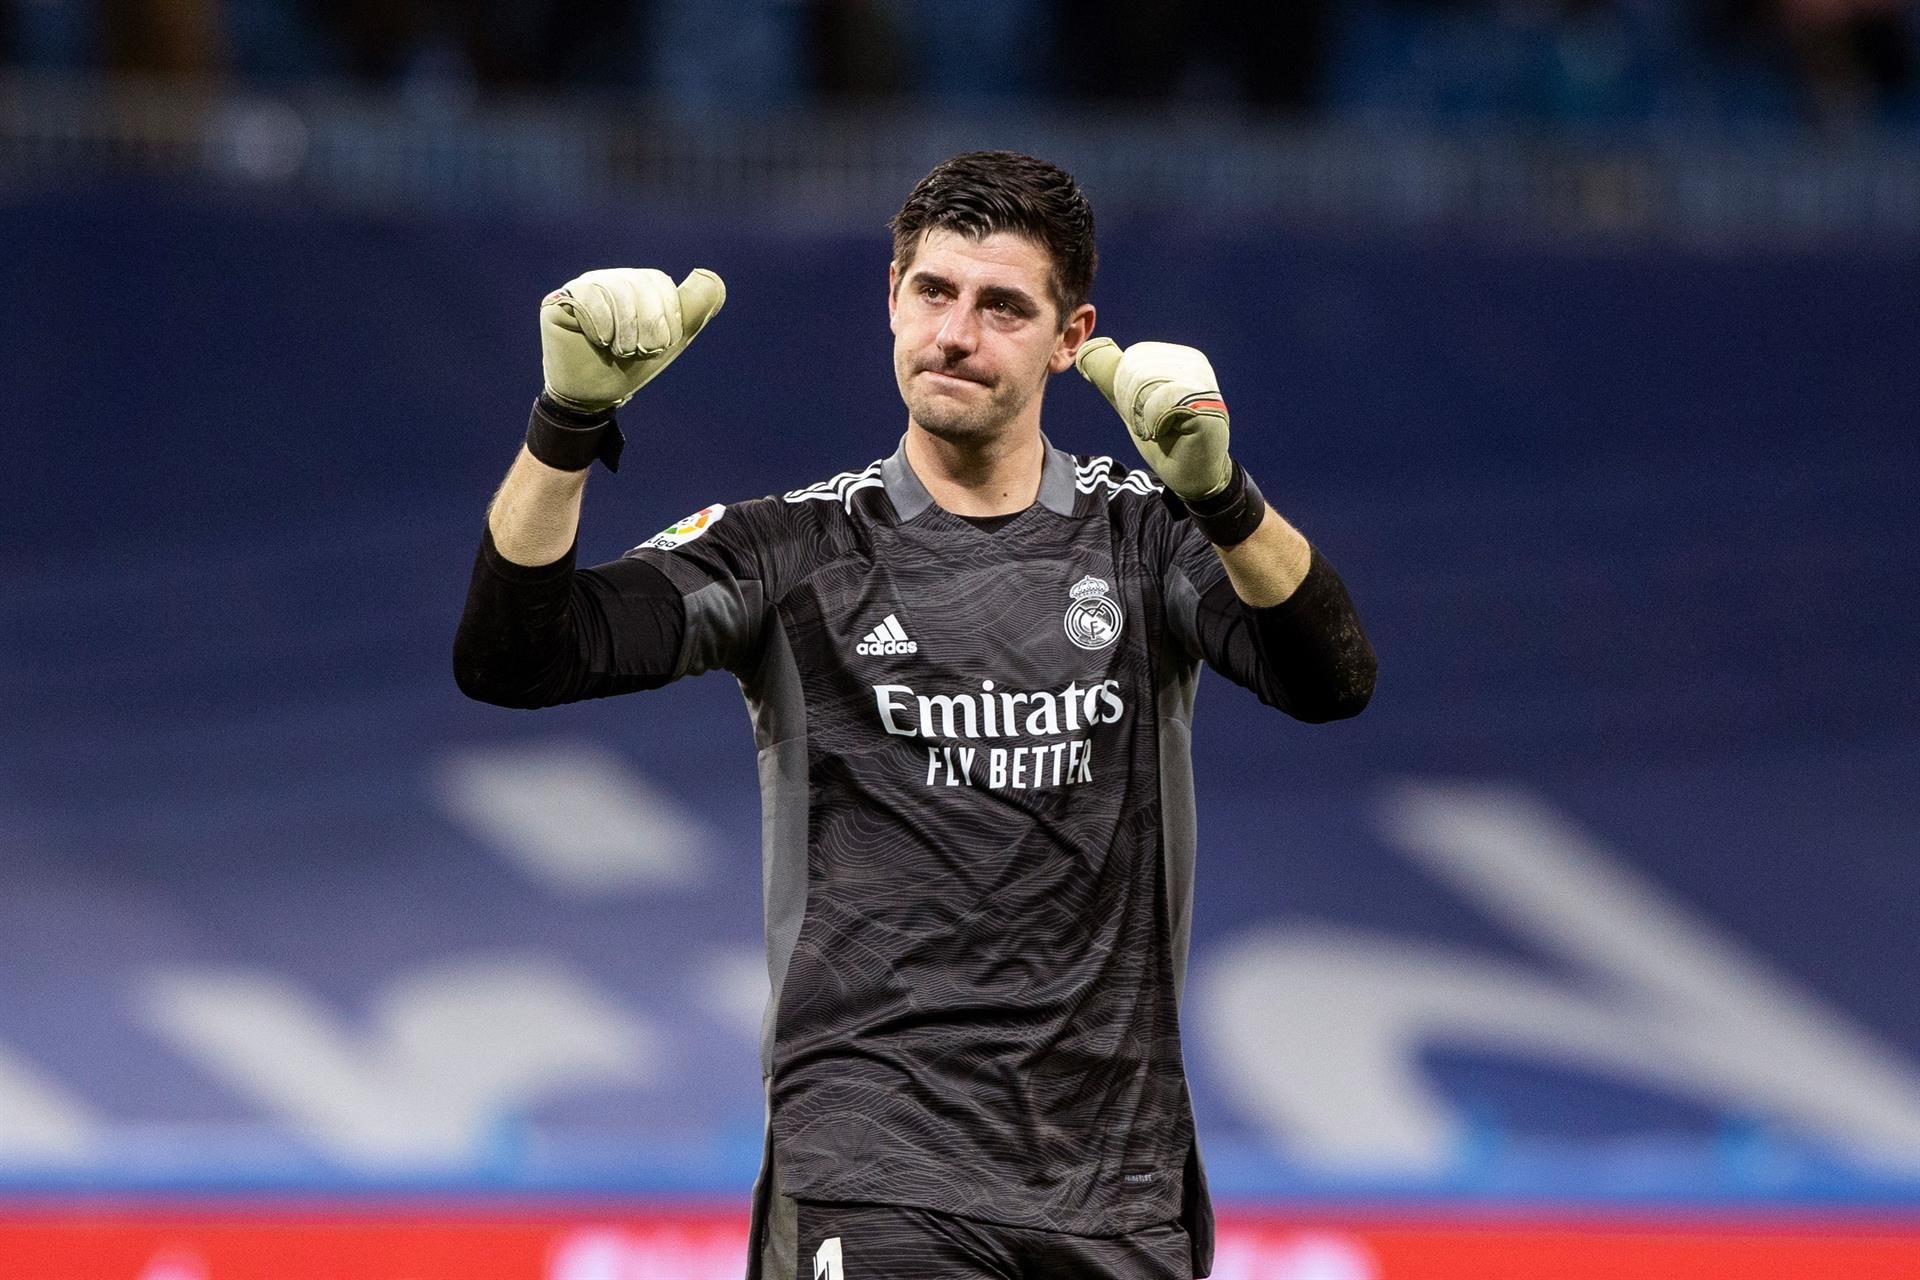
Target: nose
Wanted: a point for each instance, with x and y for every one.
(959, 333)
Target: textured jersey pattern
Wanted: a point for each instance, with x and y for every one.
(978, 1012)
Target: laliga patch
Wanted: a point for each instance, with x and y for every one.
(1093, 619)
(685, 531)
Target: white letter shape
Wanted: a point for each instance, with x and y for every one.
(451, 1050)
(1319, 1030)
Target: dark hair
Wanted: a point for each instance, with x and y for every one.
(982, 192)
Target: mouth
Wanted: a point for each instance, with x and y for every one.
(942, 375)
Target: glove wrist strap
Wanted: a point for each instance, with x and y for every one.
(1229, 517)
(569, 439)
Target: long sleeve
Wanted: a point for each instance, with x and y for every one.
(539, 636)
(1307, 655)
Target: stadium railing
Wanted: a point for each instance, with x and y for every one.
(825, 169)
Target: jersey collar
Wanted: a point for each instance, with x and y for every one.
(910, 498)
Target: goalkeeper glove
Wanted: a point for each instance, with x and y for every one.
(1170, 401)
(606, 334)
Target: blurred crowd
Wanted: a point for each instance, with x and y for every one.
(1572, 62)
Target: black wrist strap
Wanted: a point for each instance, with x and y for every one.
(569, 439)
(1228, 517)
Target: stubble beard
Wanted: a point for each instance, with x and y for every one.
(954, 422)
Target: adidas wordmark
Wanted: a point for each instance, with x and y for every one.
(888, 637)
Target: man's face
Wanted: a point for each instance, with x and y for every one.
(976, 333)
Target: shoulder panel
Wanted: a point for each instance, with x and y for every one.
(1102, 476)
(840, 488)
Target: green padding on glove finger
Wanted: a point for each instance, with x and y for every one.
(1170, 400)
(1098, 361)
(607, 333)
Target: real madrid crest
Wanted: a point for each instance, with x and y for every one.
(1093, 619)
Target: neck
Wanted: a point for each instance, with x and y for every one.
(993, 478)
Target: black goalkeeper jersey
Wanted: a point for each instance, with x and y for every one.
(978, 822)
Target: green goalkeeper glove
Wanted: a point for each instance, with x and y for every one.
(1170, 401)
(606, 334)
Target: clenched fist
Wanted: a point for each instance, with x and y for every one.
(607, 333)
(1170, 401)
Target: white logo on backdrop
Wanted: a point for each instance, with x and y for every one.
(446, 1051)
(1319, 1030)
(40, 1123)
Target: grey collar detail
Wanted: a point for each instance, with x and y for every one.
(1057, 475)
(910, 498)
(904, 490)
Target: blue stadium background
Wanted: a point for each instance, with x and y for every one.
(1630, 519)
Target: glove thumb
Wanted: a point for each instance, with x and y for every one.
(1098, 361)
(702, 294)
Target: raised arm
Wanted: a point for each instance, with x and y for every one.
(535, 631)
(1281, 623)
(603, 336)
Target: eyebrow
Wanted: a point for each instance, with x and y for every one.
(1020, 298)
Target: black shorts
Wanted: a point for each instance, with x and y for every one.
(892, 1242)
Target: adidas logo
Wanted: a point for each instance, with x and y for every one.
(888, 637)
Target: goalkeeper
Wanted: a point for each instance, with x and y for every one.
(971, 669)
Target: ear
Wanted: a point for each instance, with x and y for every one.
(1078, 329)
(893, 296)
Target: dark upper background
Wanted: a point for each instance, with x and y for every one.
(1549, 62)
